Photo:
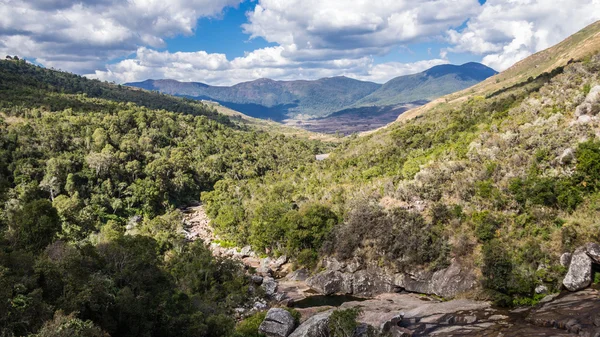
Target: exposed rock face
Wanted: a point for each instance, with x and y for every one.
(446, 283)
(579, 275)
(331, 282)
(371, 281)
(367, 283)
(277, 323)
(316, 326)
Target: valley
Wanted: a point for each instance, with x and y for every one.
(457, 201)
(330, 105)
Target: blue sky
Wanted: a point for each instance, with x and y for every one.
(222, 42)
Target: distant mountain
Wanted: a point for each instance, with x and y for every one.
(430, 84)
(277, 100)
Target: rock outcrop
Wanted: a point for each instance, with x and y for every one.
(579, 275)
(370, 280)
(316, 326)
(277, 323)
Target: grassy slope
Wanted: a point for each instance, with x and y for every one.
(578, 46)
(467, 155)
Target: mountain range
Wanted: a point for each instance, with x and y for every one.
(279, 100)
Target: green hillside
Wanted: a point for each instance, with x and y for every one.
(91, 239)
(428, 85)
(504, 182)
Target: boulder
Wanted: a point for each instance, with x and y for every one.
(369, 283)
(593, 251)
(269, 285)
(298, 275)
(331, 282)
(279, 262)
(579, 275)
(316, 326)
(277, 323)
(246, 251)
(257, 279)
(565, 259)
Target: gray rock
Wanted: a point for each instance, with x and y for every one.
(246, 251)
(260, 305)
(446, 283)
(593, 251)
(368, 283)
(277, 323)
(579, 275)
(279, 262)
(567, 156)
(332, 264)
(269, 285)
(362, 330)
(392, 322)
(353, 266)
(565, 259)
(541, 289)
(331, 282)
(316, 326)
(298, 275)
(257, 279)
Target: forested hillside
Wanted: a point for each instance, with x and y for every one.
(90, 184)
(504, 183)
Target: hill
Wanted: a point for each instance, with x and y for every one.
(428, 85)
(489, 187)
(578, 46)
(269, 99)
(92, 179)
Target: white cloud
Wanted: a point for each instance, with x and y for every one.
(268, 62)
(318, 29)
(506, 31)
(83, 35)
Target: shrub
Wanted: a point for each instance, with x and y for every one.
(342, 323)
(249, 326)
(486, 225)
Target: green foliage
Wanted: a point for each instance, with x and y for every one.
(249, 326)
(34, 225)
(342, 323)
(486, 225)
(69, 326)
(588, 164)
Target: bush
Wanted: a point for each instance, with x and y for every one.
(249, 326)
(342, 323)
(486, 225)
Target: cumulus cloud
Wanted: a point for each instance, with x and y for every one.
(506, 31)
(269, 62)
(83, 35)
(317, 29)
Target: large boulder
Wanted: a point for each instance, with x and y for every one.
(579, 275)
(331, 282)
(277, 323)
(316, 326)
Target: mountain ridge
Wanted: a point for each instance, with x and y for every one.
(306, 99)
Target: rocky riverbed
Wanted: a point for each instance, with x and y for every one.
(387, 307)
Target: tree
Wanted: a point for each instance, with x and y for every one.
(35, 225)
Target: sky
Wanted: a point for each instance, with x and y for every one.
(223, 42)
